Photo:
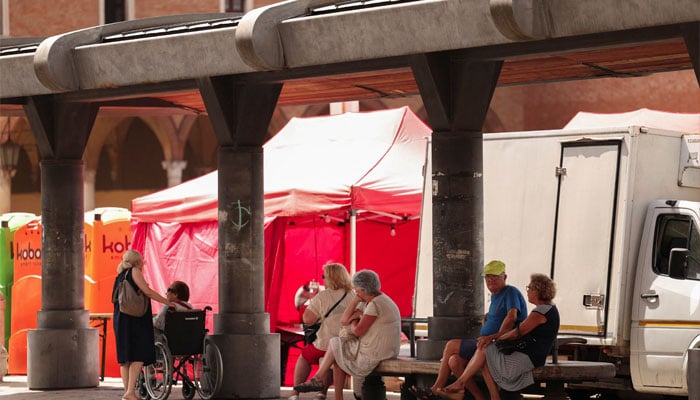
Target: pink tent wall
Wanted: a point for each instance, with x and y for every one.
(316, 171)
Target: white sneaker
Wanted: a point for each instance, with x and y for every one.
(293, 397)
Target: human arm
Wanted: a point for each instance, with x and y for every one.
(309, 317)
(140, 281)
(528, 325)
(507, 324)
(360, 326)
(351, 312)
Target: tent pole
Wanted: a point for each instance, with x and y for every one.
(353, 242)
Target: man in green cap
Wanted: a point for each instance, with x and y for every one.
(507, 308)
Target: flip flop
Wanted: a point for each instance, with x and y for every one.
(314, 385)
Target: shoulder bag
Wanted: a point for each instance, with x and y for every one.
(131, 301)
(509, 346)
(310, 331)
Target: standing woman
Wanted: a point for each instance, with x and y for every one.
(135, 339)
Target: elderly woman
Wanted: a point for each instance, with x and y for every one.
(375, 319)
(327, 306)
(135, 338)
(536, 334)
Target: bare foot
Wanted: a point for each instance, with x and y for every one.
(456, 395)
(456, 386)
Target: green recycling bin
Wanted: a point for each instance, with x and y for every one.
(9, 223)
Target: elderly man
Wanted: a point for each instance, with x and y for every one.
(507, 308)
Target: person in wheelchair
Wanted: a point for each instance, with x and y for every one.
(178, 294)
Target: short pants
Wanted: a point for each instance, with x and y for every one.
(467, 348)
(311, 354)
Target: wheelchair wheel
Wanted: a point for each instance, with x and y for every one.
(208, 370)
(158, 375)
(141, 391)
(188, 390)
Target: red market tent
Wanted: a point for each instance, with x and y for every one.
(332, 184)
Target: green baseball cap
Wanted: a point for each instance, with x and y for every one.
(494, 267)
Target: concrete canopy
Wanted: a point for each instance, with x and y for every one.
(299, 42)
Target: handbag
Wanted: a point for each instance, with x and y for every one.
(131, 301)
(311, 331)
(508, 347)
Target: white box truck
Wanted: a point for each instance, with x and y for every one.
(613, 215)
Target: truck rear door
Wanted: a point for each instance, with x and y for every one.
(584, 231)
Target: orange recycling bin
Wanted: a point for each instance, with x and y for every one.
(108, 233)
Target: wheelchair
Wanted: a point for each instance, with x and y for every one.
(185, 353)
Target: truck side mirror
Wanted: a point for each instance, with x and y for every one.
(678, 263)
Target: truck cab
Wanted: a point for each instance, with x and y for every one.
(666, 300)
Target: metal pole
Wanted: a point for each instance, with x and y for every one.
(353, 242)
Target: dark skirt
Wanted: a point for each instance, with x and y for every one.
(134, 335)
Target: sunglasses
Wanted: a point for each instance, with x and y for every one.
(171, 290)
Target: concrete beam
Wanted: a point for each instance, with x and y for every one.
(258, 38)
(282, 36)
(542, 19)
(59, 66)
(18, 78)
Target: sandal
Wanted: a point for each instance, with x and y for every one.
(314, 385)
(423, 393)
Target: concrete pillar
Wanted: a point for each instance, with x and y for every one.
(240, 114)
(456, 91)
(242, 327)
(62, 352)
(457, 235)
(174, 170)
(89, 188)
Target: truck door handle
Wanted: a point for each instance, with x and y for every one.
(653, 297)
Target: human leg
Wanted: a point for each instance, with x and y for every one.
(133, 375)
(338, 382)
(490, 383)
(317, 382)
(124, 372)
(451, 350)
(301, 372)
(474, 366)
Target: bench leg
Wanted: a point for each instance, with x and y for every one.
(505, 395)
(373, 388)
(554, 390)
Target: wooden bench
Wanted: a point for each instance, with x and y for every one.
(554, 375)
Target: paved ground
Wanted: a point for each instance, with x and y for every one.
(15, 388)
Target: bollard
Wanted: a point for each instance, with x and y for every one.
(693, 373)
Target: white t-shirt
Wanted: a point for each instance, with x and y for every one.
(320, 305)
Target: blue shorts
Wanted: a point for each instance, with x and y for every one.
(467, 348)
